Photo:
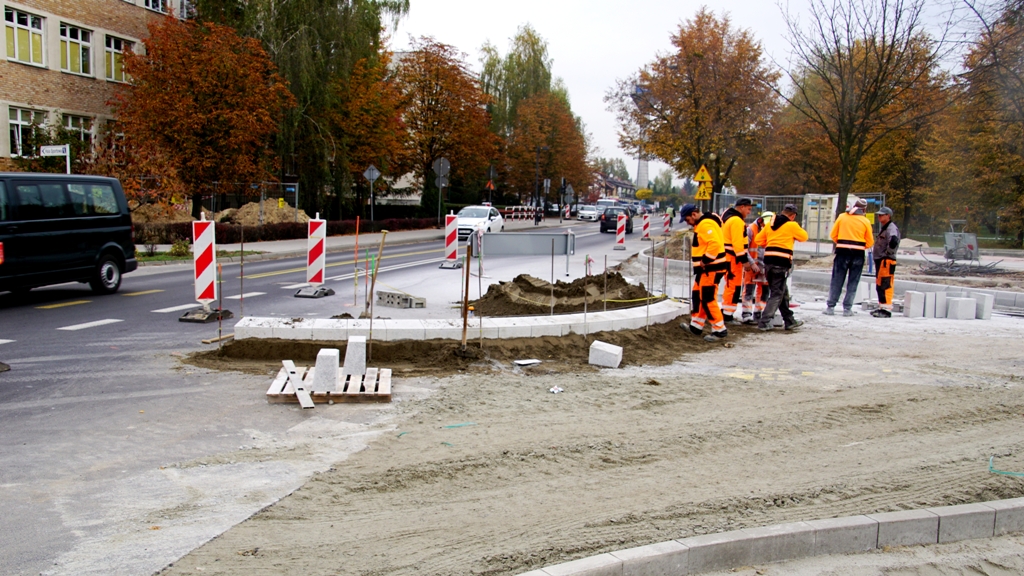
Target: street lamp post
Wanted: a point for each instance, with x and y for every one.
(536, 183)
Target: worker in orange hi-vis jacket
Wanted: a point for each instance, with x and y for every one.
(709, 266)
(734, 231)
(755, 282)
(852, 236)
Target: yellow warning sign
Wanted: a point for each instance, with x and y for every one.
(703, 191)
(702, 175)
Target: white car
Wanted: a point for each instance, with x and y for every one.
(473, 218)
(588, 212)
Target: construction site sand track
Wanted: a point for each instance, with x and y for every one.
(848, 416)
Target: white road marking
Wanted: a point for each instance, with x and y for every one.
(91, 324)
(390, 268)
(296, 286)
(246, 295)
(177, 308)
(6, 341)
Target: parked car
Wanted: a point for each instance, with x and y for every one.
(588, 212)
(57, 228)
(610, 216)
(472, 218)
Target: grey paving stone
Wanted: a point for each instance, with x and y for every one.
(844, 535)
(600, 565)
(780, 542)
(906, 528)
(964, 522)
(1009, 515)
(717, 551)
(661, 559)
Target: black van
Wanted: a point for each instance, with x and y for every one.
(58, 228)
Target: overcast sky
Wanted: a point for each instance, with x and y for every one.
(592, 42)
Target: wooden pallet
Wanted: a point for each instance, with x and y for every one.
(374, 386)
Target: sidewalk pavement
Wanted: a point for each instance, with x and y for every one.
(295, 248)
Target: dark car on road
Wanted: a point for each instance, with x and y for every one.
(609, 219)
(57, 228)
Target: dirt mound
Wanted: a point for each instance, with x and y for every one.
(662, 344)
(249, 214)
(157, 213)
(528, 296)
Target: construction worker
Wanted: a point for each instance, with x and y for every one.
(852, 236)
(755, 288)
(707, 254)
(778, 238)
(734, 231)
(884, 252)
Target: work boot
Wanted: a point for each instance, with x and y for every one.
(693, 330)
(849, 313)
(765, 327)
(882, 313)
(716, 336)
(830, 311)
(750, 321)
(795, 324)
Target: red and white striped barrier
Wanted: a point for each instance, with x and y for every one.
(620, 233)
(451, 242)
(315, 253)
(567, 212)
(204, 260)
(668, 225)
(647, 227)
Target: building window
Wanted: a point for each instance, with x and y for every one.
(81, 126)
(24, 36)
(158, 5)
(75, 50)
(115, 58)
(23, 122)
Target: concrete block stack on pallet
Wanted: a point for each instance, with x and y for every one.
(978, 305)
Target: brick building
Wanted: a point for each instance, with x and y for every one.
(61, 60)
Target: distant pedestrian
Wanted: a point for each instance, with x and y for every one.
(778, 238)
(852, 236)
(707, 253)
(884, 252)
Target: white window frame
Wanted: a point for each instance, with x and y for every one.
(19, 123)
(31, 24)
(110, 56)
(81, 125)
(72, 39)
(157, 5)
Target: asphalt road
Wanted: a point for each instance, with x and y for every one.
(96, 400)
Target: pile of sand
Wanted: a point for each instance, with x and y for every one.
(249, 214)
(527, 296)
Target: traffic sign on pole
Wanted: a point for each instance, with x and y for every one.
(702, 175)
(371, 174)
(441, 166)
(58, 150)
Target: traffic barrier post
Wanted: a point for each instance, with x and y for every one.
(620, 232)
(316, 258)
(646, 227)
(204, 273)
(451, 243)
(668, 225)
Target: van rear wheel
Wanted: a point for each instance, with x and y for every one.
(107, 277)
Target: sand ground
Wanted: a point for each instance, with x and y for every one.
(494, 474)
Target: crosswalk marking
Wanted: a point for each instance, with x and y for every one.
(246, 295)
(6, 341)
(91, 324)
(143, 293)
(63, 304)
(177, 308)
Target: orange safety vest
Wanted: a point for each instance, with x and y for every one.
(734, 230)
(708, 250)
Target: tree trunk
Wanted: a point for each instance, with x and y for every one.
(197, 205)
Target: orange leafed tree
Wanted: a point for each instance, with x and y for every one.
(204, 102)
(445, 114)
(368, 123)
(544, 121)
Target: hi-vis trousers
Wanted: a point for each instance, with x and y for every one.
(733, 295)
(704, 302)
(886, 270)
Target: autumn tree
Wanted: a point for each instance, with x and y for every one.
(204, 99)
(708, 102)
(314, 44)
(612, 166)
(523, 72)
(367, 124)
(546, 139)
(857, 65)
(445, 113)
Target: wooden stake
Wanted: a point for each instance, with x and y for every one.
(465, 295)
(373, 284)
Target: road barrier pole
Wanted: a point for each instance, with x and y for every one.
(620, 232)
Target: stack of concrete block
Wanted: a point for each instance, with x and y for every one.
(939, 305)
